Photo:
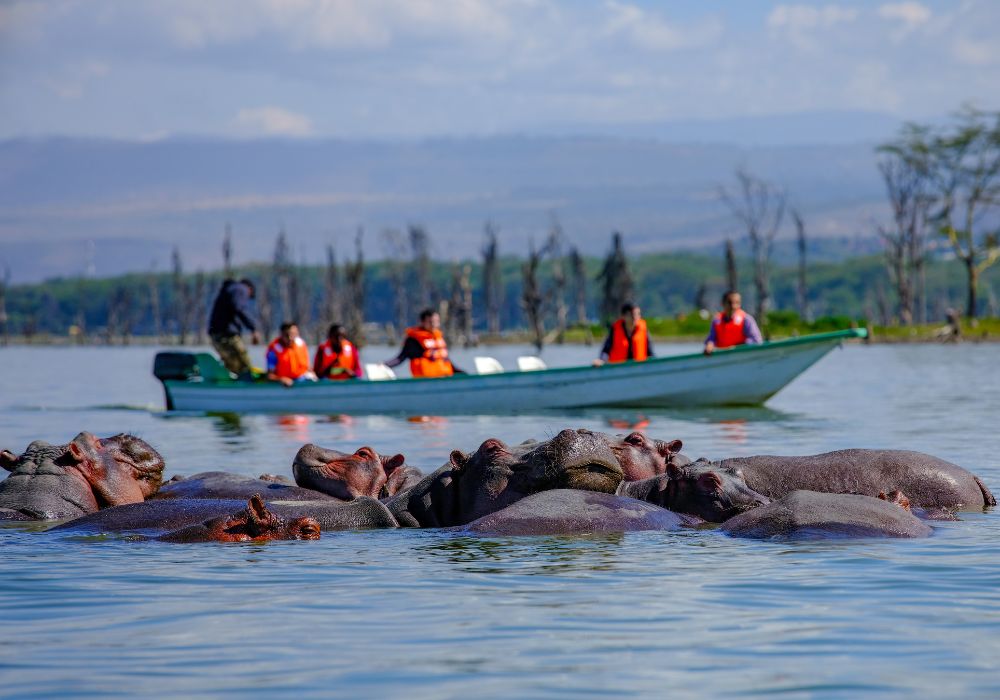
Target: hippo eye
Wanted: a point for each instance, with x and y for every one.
(492, 446)
(365, 453)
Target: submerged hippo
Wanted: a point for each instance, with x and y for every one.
(496, 475)
(569, 511)
(227, 485)
(643, 457)
(698, 489)
(157, 517)
(87, 474)
(255, 523)
(929, 482)
(814, 515)
(343, 475)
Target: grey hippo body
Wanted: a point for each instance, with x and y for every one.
(815, 515)
(160, 516)
(225, 485)
(568, 511)
(48, 482)
(929, 482)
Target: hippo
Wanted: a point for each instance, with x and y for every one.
(642, 457)
(929, 482)
(253, 524)
(50, 482)
(158, 517)
(815, 515)
(226, 485)
(698, 489)
(569, 511)
(496, 475)
(400, 478)
(341, 475)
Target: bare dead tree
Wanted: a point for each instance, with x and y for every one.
(701, 297)
(227, 251)
(617, 286)
(155, 313)
(531, 296)
(117, 321)
(420, 245)
(491, 280)
(182, 298)
(354, 273)
(332, 307)
(760, 207)
(732, 277)
(200, 310)
(395, 258)
(556, 294)
(4, 285)
(282, 271)
(466, 325)
(265, 303)
(80, 319)
(801, 288)
(578, 273)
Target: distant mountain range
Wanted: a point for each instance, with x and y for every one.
(73, 206)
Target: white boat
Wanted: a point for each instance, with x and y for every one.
(745, 375)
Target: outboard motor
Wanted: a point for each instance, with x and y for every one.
(175, 365)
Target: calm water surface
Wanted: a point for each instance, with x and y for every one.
(429, 614)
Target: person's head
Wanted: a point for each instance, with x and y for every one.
(249, 285)
(731, 302)
(289, 332)
(430, 319)
(631, 312)
(336, 332)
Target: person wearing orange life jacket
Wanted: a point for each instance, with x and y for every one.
(732, 326)
(336, 357)
(426, 349)
(288, 357)
(628, 338)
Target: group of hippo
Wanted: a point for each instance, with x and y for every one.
(578, 481)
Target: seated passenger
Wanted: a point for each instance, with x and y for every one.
(732, 326)
(426, 349)
(627, 339)
(288, 357)
(336, 357)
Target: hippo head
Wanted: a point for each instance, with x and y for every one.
(120, 469)
(496, 475)
(255, 524)
(642, 457)
(713, 494)
(344, 476)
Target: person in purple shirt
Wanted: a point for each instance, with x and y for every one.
(732, 326)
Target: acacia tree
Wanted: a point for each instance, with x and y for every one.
(964, 167)
(760, 207)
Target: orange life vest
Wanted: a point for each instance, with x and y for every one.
(619, 342)
(293, 361)
(730, 333)
(434, 362)
(347, 358)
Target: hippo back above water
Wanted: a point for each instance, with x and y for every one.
(225, 485)
(928, 481)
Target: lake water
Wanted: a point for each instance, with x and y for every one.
(429, 614)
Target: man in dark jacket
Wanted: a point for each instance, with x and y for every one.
(231, 314)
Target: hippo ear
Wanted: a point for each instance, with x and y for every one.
(667, 448)
(391, 464)
(710, 482)
(882, 497)
(7, 460)
(458, 459)
(673, 471)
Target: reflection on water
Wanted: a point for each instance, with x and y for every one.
(442, 614)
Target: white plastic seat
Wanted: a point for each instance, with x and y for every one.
(379, 372)
(488, 365)
(529, 363)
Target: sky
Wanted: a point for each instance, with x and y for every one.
(372, 69)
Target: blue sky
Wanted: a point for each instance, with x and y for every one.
(150, 69)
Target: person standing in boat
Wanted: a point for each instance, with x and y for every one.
(426, 349)
(288, 357)
(337, 357)
(231, 315)
(732, 326)
(628, 338)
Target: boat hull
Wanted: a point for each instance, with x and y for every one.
(746, 375)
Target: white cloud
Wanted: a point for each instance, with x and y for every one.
(801, 24)
(911, 14)
(273, 121)
(651, 33)
(973, 52)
